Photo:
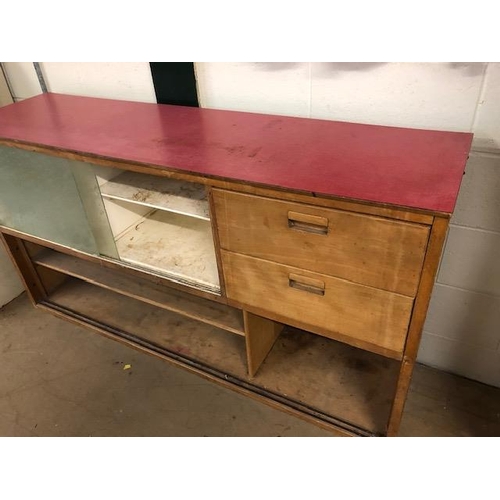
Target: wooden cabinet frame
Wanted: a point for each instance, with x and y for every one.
(47, 267)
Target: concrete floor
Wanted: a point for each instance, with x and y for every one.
(58, 379)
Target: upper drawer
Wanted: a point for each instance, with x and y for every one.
(379, 252)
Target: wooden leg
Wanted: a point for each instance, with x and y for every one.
(22, 262)
(260, 336)
(431, 262)
(403, 385)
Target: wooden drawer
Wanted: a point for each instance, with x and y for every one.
(333, 307)
(370, 250)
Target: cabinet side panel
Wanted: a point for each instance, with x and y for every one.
(23, 265)
(431, 263)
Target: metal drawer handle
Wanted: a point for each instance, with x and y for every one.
(306, 284)
(308, 223)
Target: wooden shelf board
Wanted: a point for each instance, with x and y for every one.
(349, 384)
(207, 311)
(174, 245)
(172, 195)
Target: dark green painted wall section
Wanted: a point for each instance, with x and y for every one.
(174, 83)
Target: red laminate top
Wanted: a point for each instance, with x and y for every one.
(386, 165)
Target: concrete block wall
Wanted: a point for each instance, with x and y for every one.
(462, 332)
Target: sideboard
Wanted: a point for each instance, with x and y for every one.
(290, 259)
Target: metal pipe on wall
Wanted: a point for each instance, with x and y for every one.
(41, 79)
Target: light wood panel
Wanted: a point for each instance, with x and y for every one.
(213, 313)
(215, 236)
(368, 250)
(354, 311)
(358, 206)
(260, 336)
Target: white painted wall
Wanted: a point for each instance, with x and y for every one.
(22, 79)
(462, 332)
(126, 81)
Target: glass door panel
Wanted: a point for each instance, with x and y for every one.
(40, 196)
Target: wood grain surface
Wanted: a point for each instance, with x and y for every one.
(260, 336)
(213, 313)
(432, 257)
(355, 311)
(369, 250)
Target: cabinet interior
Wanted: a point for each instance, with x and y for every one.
(162, 225)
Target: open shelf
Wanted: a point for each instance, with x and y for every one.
(172, 244)
(172, 195)
(207, 311)
(322, 377)
(160, 327)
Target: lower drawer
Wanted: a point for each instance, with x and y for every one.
(333, 307)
